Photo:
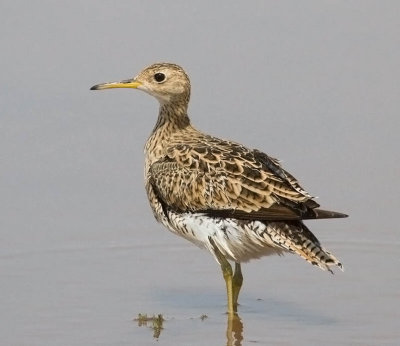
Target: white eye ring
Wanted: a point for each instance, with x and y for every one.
(159, 77)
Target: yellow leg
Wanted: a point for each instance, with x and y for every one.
(228, 274)
(237, 281)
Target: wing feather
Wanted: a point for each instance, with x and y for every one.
(226, 179)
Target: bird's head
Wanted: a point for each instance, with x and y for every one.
(168, 83)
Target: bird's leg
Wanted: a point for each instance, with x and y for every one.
(227, 273)
(237, 281)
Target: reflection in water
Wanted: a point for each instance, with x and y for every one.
(156, 323)
(234, 330)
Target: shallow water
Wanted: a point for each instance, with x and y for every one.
(312, 83)
(91, 295)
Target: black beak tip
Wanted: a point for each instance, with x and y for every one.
(94, 87)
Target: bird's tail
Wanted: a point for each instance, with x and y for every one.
(323, 214)
(297, 238)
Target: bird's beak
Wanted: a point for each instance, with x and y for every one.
(128, 83)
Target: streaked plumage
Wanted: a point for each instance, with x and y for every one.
(238, 203)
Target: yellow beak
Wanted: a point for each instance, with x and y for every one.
(128, 83)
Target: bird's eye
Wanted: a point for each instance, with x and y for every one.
(159, 77)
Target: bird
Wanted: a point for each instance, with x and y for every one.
(238, 203)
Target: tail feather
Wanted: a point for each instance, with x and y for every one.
(297, 238)
(317, 255)
(323, 214)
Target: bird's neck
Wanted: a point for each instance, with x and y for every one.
(172, 117)
(172, 122)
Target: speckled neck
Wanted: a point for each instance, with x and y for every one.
(172, 117)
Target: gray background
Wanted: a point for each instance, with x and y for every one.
(315, 83)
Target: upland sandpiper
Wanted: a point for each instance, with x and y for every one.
(236, 202)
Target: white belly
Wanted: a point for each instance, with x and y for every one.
(237, 240)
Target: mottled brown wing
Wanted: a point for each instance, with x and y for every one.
(227, 179)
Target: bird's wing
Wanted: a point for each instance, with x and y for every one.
(226, 179)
